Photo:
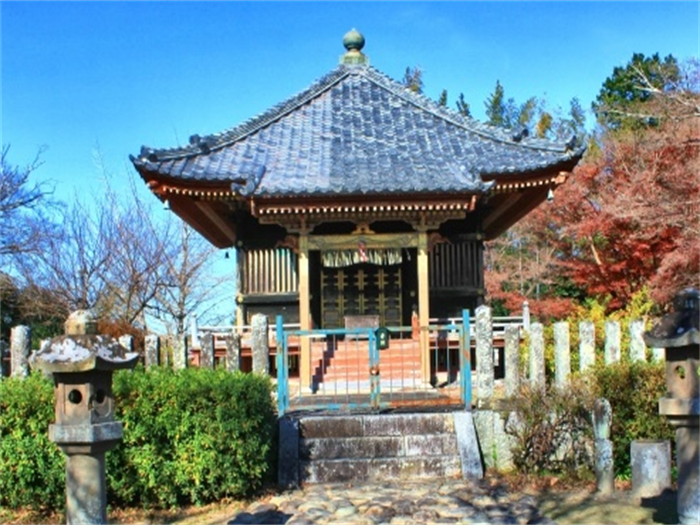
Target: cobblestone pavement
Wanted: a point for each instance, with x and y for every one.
(396, 503)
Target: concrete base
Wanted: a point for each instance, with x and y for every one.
(494, 441)
(86, 494)
(651, 467)
(604, 467)
(288, 459)
(688, 459)
(468, 445)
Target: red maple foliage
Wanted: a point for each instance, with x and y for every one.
(630, 217)
(627, 218)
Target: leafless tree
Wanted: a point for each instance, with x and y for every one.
(192, 286)
(126, 261)
(22, 207)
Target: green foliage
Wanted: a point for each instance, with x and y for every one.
(463, 106)
(552, 429)
(190, 437)
(640, 307)
(627, 87)
(32, 468)
(197, 436)
(496, 106)
(413, 79)
(633, 390)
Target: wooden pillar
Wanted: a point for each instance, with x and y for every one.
(424, 306)
(304, 312)
(240, 262)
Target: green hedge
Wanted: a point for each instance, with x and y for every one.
(32, 468)
(548, 417)
(190, 437)
(633, 390)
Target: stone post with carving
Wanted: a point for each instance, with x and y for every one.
(604, 471)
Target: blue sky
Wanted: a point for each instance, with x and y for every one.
(119, 75)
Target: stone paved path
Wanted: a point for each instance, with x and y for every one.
(396, 503)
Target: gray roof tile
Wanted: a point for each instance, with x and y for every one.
(356, 131)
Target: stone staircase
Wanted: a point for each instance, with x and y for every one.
(348, 362)
(377, 447)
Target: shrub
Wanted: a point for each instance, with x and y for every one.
(552, 429)
(32, 468)
(633, 390)
(190, 437)
(193, 436)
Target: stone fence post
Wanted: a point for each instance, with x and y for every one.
(612, 342)
(206, 350)
(484, 356)
(637, 345)
(179, 352)
(586, 330)
(233, 352)
(562, 354)
(512, 360)
(526, 316)
(20, 347)
(536, 357)
(151, 353)
(260, 343)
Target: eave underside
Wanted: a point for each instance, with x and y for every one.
(215, 211)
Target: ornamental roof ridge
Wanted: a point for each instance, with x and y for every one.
(484, 130)
(214, 141)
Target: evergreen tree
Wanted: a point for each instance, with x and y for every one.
(463, 106)
(413, 79)
(617, 104)
(496, 106)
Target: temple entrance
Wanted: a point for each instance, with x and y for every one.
(361, 289)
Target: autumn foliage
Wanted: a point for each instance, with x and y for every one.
(627, 218)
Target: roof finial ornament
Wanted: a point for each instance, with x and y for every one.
(354, 42)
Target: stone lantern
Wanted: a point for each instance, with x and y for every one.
(81, 364)
(678, 333)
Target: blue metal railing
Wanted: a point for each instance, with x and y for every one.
(348, 370)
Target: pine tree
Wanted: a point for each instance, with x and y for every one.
(496, 107)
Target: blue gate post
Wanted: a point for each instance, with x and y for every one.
(374, 377)
(282, 369)
(465, 362)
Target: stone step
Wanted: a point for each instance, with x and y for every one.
(384, 469)
(348, 426)
(373, 447)
(377, 447)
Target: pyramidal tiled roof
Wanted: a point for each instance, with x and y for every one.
(356, 131)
